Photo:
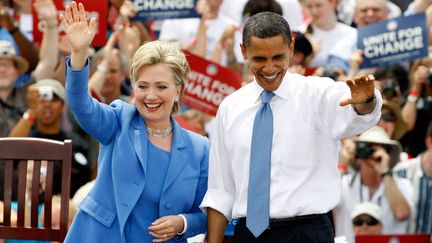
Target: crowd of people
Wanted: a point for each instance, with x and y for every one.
(311, 143)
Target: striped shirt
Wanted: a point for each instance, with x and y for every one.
(412, 170)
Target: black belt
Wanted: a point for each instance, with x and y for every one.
(293, 221)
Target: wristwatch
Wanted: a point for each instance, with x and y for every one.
(387, 173)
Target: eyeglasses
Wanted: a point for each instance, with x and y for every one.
(388, 117)
(369, 221)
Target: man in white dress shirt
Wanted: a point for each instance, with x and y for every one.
(310, 115)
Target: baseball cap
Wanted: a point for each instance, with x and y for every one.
(8, 51)
(367, 208)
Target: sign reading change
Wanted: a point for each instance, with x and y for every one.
(393, 41)
(164, 9)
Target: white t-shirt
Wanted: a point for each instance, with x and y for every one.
(328, 39)
(184, 31)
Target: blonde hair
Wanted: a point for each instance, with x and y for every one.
(155, 52)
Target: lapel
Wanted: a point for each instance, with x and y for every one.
(178, 156)
(129, 179)
(138, 135)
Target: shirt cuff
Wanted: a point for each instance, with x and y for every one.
(219, 201)
(184, 223)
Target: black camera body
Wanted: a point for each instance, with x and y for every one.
(363, 150)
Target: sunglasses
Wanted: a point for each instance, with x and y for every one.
(369, 221)
(388, 117)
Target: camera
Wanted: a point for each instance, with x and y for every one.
(363, 150)
(46, 93)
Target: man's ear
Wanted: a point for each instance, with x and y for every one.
(291, 46)
(243, 50)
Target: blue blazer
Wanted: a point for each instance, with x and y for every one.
(122, 164)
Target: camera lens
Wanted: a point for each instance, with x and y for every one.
(363, 150)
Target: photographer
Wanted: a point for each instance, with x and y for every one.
(376, 154)
(43, 120)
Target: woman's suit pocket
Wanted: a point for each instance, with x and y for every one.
(97, 211)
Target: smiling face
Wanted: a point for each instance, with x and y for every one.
(8, 73)
(268, 59)
(155, 93)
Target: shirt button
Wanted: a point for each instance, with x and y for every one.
(168, 206)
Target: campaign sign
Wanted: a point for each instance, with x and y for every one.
(95, 9)
(164, 9)
(393, 41)
(209, 83)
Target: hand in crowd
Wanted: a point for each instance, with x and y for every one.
(381, 160)
(32, 97)
(23, 6)
(128, 9)
(420, 76)
(203, 9)
(46, 10)
(5, 19)
(165, 228)
(361, 87)
(130, 41)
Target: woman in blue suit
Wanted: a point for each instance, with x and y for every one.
(152, 174)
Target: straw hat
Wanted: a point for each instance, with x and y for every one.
(8, 51)
(377, 135)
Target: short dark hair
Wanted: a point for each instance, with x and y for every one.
(266, 25)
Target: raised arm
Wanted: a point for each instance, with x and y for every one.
(48, 53)
(79, 33)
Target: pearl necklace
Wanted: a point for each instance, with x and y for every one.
(160, 133)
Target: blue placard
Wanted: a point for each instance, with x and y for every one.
(164, 9)
(393, 41)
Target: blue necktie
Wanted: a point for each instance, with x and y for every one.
(258, 202)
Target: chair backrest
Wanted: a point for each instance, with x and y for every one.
(16, 154)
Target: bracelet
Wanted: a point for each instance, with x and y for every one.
(387, 173)
(414, 92)
(29, 117)
(370, 99)
(412, 98)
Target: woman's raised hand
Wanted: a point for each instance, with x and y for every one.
(79, 32)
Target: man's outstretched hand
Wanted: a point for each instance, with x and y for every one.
(362, 88)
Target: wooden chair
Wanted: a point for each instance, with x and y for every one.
(15, 154)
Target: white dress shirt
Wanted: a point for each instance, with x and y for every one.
(308, 123)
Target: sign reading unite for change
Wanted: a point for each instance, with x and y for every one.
(393, 41)
(164, 9)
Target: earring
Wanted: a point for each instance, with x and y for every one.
(176, 100)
